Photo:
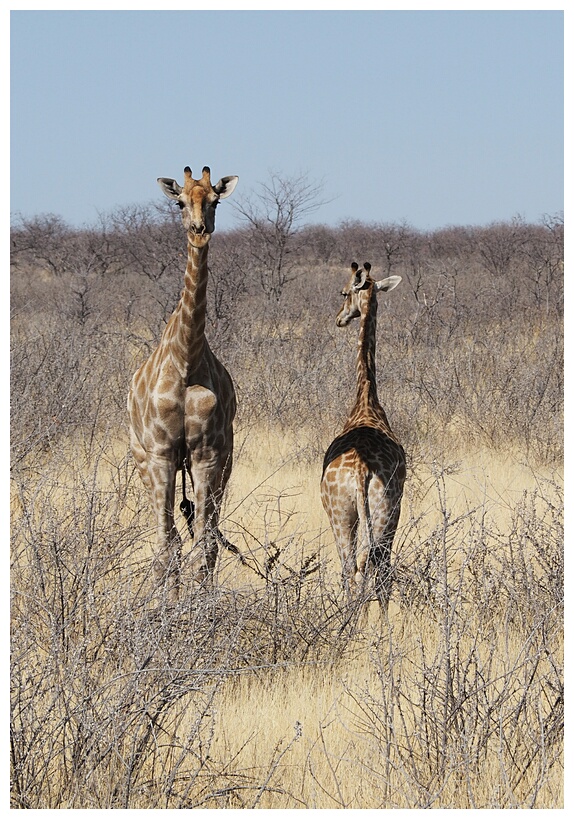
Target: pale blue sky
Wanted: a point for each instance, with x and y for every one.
(433, 117)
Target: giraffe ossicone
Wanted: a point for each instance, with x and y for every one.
(181, 402)
(364, 468)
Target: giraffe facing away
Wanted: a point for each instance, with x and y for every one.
(364, 468)
(181, 402)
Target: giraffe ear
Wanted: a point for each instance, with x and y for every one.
(359, 280)
(388, 284)
(170, 187)
(226, 186)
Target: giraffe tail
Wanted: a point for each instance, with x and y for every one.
(365, 510)
(222, 540)
(186, 505)
(364, 533)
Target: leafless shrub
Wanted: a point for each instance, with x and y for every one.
(459, 704)
(114, 704)
(273, 216)
(103, 686)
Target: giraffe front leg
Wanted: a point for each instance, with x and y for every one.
(167, 560)
(209, 478)
(203, 554)
(226, 466)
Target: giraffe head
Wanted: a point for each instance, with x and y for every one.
(358, 292)
(197, 200)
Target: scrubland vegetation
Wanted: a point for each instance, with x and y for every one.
(264, 692)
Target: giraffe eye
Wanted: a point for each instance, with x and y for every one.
(180, 205)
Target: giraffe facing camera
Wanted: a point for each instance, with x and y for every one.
(181, 403)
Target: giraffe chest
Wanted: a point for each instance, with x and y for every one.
(203, 415)
(158, 402)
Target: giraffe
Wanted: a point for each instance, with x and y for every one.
(364, 467)
(181, 402)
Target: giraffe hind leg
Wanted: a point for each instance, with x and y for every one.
(384, 508)
(381, 559)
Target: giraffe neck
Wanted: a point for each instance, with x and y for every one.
(367, 409)
(366, 368)
(188, 336)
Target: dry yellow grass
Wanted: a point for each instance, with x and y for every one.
(265, 691)
(274, 491)
(364, 728)
(322, 729)
(309, 729)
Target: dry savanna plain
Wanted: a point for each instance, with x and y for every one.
(266, 690)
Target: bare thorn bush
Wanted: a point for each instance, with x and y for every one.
(264, 691)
